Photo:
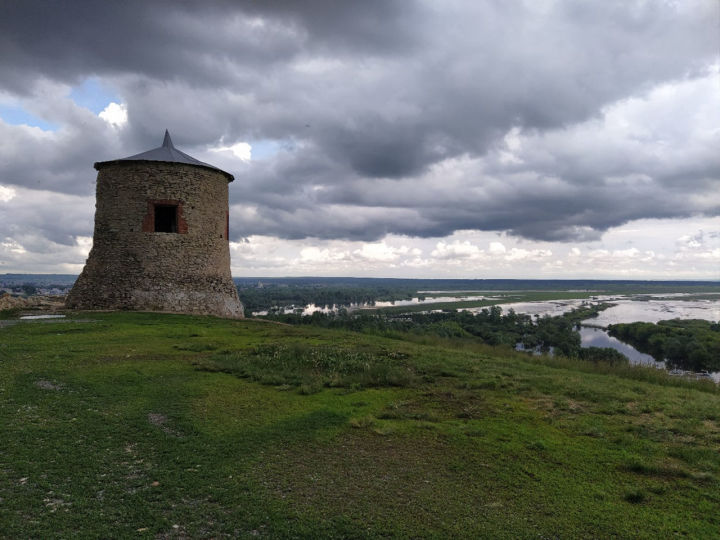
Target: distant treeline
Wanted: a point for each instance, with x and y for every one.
(490, 326)
(279, 295)
(390, 288)
(627, 286)
(688, 344)
(266, 293)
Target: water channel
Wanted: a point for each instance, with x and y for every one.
(640, 308)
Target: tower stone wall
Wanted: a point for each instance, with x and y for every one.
(131, 266)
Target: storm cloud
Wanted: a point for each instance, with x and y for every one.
(546, 120)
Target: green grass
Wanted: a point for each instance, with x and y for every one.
(10, 313)
(142, 425)
(313, 367)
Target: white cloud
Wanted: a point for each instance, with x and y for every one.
(7, 193)
(315, 254)
(648, 256)
(456, 250)
(520, 254)
(458, 255)
(513, 142)
(691, 241)
(84, 245)
(379, 251)
(629, 253)
(12, 246)
(713, 254)
(115, 114)
(241, 150)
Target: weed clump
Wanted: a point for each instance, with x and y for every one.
(310, 368)
(635, 497)
(646, 469)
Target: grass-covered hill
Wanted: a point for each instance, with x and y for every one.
(147, 425)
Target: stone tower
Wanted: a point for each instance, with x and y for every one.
(161, 237)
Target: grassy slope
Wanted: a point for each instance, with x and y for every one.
(115, 427)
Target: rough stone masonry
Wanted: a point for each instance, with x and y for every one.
(161, 237)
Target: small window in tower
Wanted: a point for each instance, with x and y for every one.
(166, 218)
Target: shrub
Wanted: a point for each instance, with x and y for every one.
(603, 354)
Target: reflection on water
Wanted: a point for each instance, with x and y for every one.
(629, 311)
(309, 309)
(551, 308)
(626, 310)
(432, 300)
(595, 337)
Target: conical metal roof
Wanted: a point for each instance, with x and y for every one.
(168, 154)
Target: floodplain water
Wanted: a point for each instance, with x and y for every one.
(309, 309)
(626, 309)
(597, 337)
(432, 300)
(650, 310)
(551, 308)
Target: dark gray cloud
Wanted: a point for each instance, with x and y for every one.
(393, 115)
(169, 39)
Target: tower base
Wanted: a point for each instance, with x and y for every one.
(213, 297)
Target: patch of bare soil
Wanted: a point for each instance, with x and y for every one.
(47, 385)
(160, 420)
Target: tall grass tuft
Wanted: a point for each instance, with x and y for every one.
(628, 371)
(311, 368)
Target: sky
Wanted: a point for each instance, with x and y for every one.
(382, 138)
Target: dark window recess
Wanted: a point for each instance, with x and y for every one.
(166, 218)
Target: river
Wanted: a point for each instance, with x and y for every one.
(646, 309)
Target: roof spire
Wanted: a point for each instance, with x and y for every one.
(167, 141)
(166, 153)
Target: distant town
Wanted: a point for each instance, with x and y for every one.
(36, 284)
